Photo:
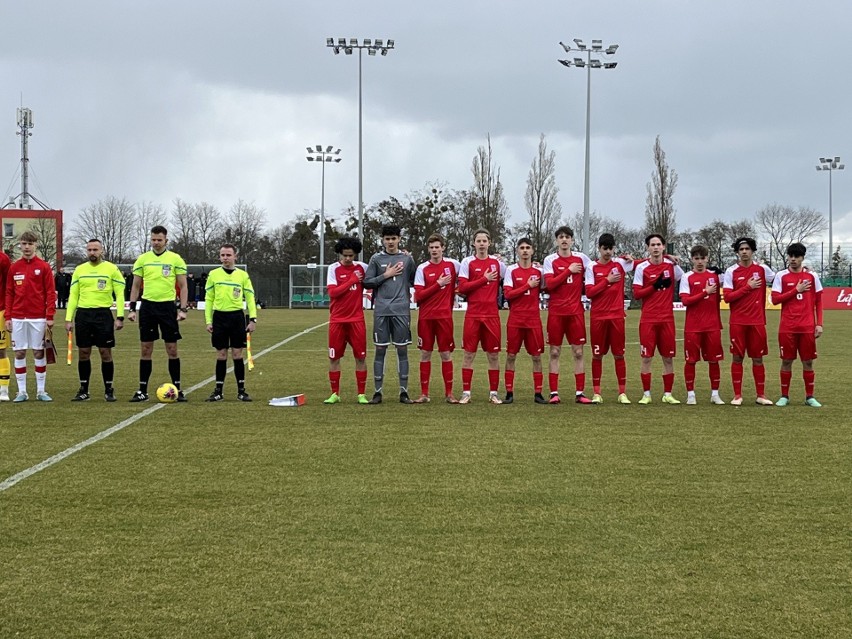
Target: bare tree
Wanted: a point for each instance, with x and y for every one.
(782, 225)
(659, 208)
(45, 228)
(718, 236)
(148, 215)
(541, 200)
(243, 227)
(209, 226)
(111, 220)
(488, 202)
(183, 228)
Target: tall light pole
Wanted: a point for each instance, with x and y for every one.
(323, 154)
(830, 165)
(589, 63)
(373, 47)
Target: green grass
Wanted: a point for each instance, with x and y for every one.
(242, 520)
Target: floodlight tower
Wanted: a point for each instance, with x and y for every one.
(323, 154)
(831, 165)
(25, 123)
(589, 63)
(372, 46)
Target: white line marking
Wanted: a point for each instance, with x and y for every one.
(58, 457)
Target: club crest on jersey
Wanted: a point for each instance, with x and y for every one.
(614, 270)
(755, 276)
(37, 271)
(666, 273)
(446, 270)
(711, 281)
(237, 292)
(167, 270)
(101, 285)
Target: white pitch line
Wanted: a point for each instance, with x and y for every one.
(58, 457)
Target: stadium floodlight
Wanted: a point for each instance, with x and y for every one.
(323, 155)
(329, 42)
(589, 63)
(831, 165)
(372, 46)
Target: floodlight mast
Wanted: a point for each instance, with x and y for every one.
(323, 155)
(589, 63)
(830, 164)
(372, 46)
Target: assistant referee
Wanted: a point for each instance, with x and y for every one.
(95, 284)
(227, 288)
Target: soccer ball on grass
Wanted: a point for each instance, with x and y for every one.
(167, 393)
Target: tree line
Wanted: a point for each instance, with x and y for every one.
(197, 229)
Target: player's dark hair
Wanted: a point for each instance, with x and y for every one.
(391, 229)
(797, 249)
(650, 237)
(607, 240)
(29, 236)
(436, 237)
(347, 243)
(159, 230)
(94, 239)
(483, 231)
(699, 251)
(230, 246)
(524, 240)
(744, 240)
(564, 230)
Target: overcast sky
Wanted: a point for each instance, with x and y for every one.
(217, 100)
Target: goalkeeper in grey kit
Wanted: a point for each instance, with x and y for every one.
(391, 275)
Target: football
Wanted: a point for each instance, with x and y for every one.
(167, 393)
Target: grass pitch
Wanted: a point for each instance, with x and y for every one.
(232, 519)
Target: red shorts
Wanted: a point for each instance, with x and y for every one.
(342, 333)
(430, 331)
(705, 343)
(748, 339)
(802, 343)
(532, 337)
(657, 336)
(481, 330)
(607, 335)
(571, 327)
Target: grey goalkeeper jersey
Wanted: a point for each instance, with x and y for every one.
(391, 296)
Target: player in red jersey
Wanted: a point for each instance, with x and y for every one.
(800, 295)
(605, 289)
(434, 292)
(5, 364)
(563, 279)
(700, 293)
(744, 287)
(346, 290)
(654, 282)
(522, 286)
(479, 280)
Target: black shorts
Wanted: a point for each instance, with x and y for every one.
(156, 319)
(229, 330)
(94, 327)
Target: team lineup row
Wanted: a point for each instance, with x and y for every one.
(27, 308)
(28, 305)
(566, 276)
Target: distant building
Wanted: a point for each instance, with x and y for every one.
(47, 224)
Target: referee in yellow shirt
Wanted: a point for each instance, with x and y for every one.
(155, 274)
(95, 284)
(226, 289)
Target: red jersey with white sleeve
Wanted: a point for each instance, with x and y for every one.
(607, 298)
(524, 308)
(656, 303)
(702, 310)
(346, 290)
(481, 293)
(748, 305)
(565, 288)
(30, 290)
(433, 300)
(801, 312)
